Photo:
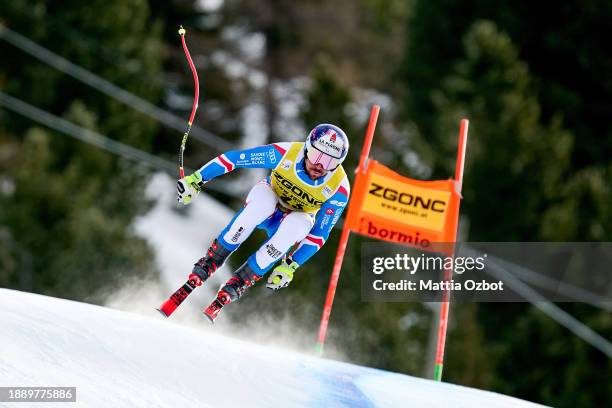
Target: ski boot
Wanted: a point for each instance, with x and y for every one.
(233, 289)
(202, 270)
(206, 266)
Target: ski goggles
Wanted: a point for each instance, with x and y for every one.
(318, 157)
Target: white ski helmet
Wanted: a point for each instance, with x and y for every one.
(326, 144)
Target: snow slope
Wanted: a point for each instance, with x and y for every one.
(119, 359)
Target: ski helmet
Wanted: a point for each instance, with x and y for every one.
(326, 144)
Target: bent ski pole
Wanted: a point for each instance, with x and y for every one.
(194, 108)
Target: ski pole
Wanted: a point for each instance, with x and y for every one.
(194, 108)
(174, 301)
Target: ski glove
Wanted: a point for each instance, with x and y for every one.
(189, 187)
(282, 275)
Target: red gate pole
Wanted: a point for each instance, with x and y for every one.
(444, 306)
(333, 281)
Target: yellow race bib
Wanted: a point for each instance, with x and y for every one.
(293, 192)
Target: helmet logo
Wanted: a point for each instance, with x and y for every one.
(328, 140)
(332, 135)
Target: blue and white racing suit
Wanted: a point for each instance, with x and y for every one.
(264, 209)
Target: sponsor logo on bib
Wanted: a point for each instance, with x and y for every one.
(327, 191)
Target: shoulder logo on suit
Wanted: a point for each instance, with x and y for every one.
(286, 165)
(272, 156)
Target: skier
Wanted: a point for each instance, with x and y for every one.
(299, 202)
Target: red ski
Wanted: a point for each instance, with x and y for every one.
(213, 310)
(175, 300)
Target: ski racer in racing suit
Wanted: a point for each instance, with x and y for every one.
(298, 203)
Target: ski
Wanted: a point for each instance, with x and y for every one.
(213, 310)
(175, 300)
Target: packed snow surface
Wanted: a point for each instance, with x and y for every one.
(119, 359)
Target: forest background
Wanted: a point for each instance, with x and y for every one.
(532, 77)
